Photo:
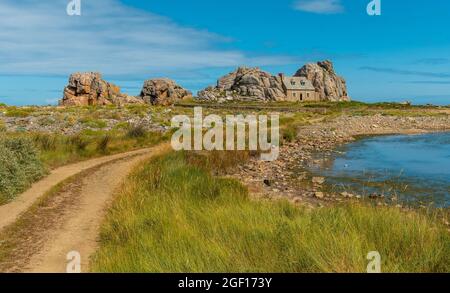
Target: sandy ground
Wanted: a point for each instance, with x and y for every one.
(71, 219)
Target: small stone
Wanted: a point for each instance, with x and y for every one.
(319, 195)
(318, 180)
(344, 194)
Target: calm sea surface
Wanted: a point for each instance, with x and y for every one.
(413, 168)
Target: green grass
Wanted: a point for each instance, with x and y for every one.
(18, 112)
(59, 150)
(289, 133)
(2, 126)
(173, 215)
(94, 123)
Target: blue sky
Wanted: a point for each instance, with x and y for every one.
(404, 54)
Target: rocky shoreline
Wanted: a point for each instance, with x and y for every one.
(289, 176)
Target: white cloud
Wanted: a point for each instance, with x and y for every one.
(320, 6)
(38, 37)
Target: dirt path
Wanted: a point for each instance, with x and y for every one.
(11, 211)
(70, 220)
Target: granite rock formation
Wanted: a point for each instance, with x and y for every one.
(253, 84)
(163, 92)
(327, 83)
(90, 89)
(247, 84)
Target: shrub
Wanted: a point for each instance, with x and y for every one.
(19, 166)
(136, 131)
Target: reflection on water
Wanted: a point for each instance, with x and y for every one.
(415, 168)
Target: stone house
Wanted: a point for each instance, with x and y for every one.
(299, 89)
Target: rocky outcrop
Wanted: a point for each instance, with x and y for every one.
(163, 92)
(90, 89)
(247, 84)
(253, 84)
(328, 84)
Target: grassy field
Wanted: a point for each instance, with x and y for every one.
(174, 215)
(58, 150)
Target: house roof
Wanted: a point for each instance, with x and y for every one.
(297, 83)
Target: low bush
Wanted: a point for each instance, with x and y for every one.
(19, 166)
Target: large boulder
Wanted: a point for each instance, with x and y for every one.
(328, 84)
(163, 92)
(90, 89)
(245, 84)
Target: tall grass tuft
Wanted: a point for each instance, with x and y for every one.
(173, 215)
(136, 131)
(46, 142)
(103, 143)
(2, 126)
(289, 134)
(78, 142)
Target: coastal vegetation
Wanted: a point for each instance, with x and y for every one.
(26, 157)
(19, 166)
(174, 215)
(195, 212)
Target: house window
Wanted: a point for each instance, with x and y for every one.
(307, 95)
(301, 97)
(294, 94)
